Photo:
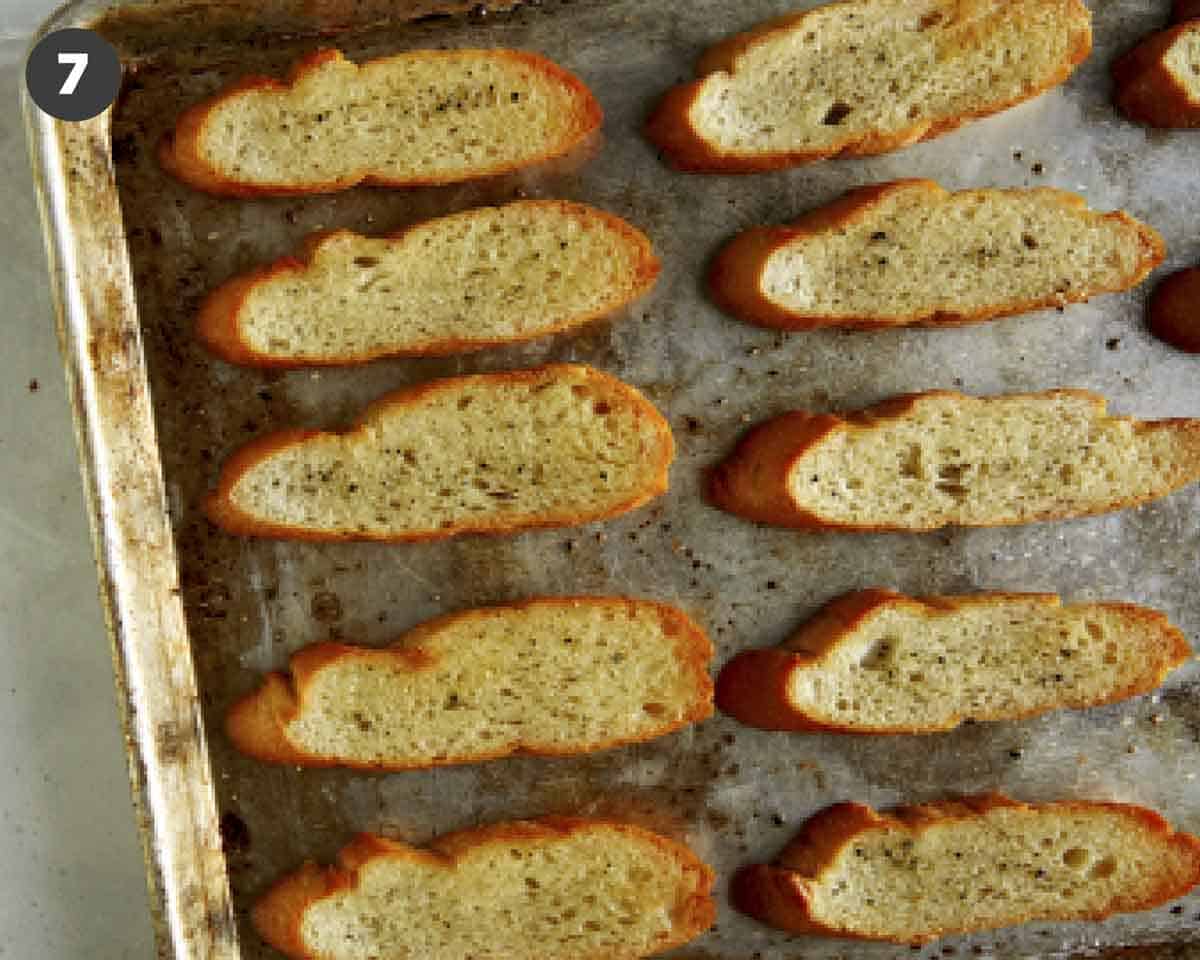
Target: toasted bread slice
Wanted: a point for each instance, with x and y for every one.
(553, 677)
(1158, 82)
(929, 460)
(422, 117)
(551, 889)
(865, 77)
(494, 453)
(1175, 310)
(489, 276)
(910, 252)
(917, 873)
(881, 662)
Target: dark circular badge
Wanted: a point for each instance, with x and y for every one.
(73, 74)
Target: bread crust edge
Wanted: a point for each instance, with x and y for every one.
(753, 686)
(669, 127)
(179, 156)
(257, 723)
(778, 894)
(218, 324)
(219, 507)
(1174, 311)
(752, 482)
(736, 274)
(1146, 92)
(279, 914)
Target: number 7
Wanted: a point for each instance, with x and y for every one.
(78, 62)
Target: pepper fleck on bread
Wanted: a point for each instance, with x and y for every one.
(481, 278)
(864, 77)
(910, 252)
(914, 874)
(556, 676)
(930, 460)
(878, 662)
(551, 889)
(417, 118)
(558, 445)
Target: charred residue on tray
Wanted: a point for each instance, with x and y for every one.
(235, 834)
(326, 607)
(1182, 703)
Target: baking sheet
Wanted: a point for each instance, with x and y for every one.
(736, 795)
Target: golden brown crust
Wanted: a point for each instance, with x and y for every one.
(221, 509)
(217, 321)
(671, 130)
(278, 915)
(179, 153)
(780, 895)
(1147, 92)
(843, 615)
(753, 689)
(753, 686)
(257, 724)
(218, 325)
(735, 279)
(753, 481)
(1175, 310)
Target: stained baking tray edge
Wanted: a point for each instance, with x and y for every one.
(101, 345)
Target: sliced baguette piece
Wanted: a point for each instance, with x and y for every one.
(416, 118)
(864, 77)
(481, 278)
(550, 676)
(930, 460)
(557, 445)
(1158, 82)
(1175, 310)
(910, 252)
(557, 888)
(914, 874)
(880, 662)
